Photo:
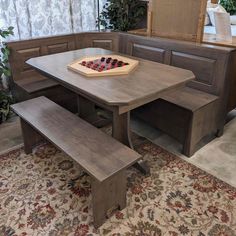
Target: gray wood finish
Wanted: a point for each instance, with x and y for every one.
(106, 40)
(190, 99)
(148, 53)
(213, 66)
(119, 94)
(98, 154)
(207, 94)
(101, 156)
(30, 136)
(143, 84)
(108, 196)
(202, 107)
(28, 83)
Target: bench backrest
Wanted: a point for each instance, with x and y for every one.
(213, 65)
(208, 63)
(22, 50)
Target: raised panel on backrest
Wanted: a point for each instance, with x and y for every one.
(138, 47)
(26, 54)
(148, 53)
(102, 43)
(58, 44)
(209, 63)
(106, 40)
(57, 48)
(21, 51)
(202, 67)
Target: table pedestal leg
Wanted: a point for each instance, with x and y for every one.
(87, 111)
(121, 132)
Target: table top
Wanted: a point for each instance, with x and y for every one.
(142, 85)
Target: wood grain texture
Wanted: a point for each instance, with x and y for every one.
(198, 111)
(169, 19)
(148, 80)
(34, 82)
(149, 53)
(89, 72)
(213, 66)
(30, 137)
(105, 40)
(107, 197)
(188, 98)
(98, 154)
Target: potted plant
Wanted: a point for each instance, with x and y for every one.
(122, 15)
(229, 5)
(5, 96)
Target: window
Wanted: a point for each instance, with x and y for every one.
(37, 18)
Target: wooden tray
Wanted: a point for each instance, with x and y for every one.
(124, 70)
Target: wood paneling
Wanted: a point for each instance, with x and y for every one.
(202, 67)
(207, 62)
(203, 114)
(148, 53)
(102, 43)
(23, 50)
(57, 48)
(213, 66)
(26, 54)
(109, 40)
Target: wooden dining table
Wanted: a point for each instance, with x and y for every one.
(117, 94)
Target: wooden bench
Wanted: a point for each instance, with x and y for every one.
(214, 86)
(202, 111)
(27, 83)
(196, 113)
(99, 155)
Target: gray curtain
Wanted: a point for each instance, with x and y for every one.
(37, 18)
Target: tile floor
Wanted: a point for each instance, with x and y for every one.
(217, 158)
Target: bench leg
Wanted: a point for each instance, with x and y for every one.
(220, 132)
(201, 130)
(189, 146)
(108, 196)
(30, 137)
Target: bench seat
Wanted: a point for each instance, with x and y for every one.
(201, 109)
(189, 98)
(98, 154)
(35, 82)
(32, 84)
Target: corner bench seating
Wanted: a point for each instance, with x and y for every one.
(193, 115)
(196, 113)
(201, 108)
(99, 155)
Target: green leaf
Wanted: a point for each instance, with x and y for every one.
(122, 14)
(5, 52)
(229, 5)
(5, 102)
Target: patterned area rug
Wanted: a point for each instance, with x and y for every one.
(44, 194)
